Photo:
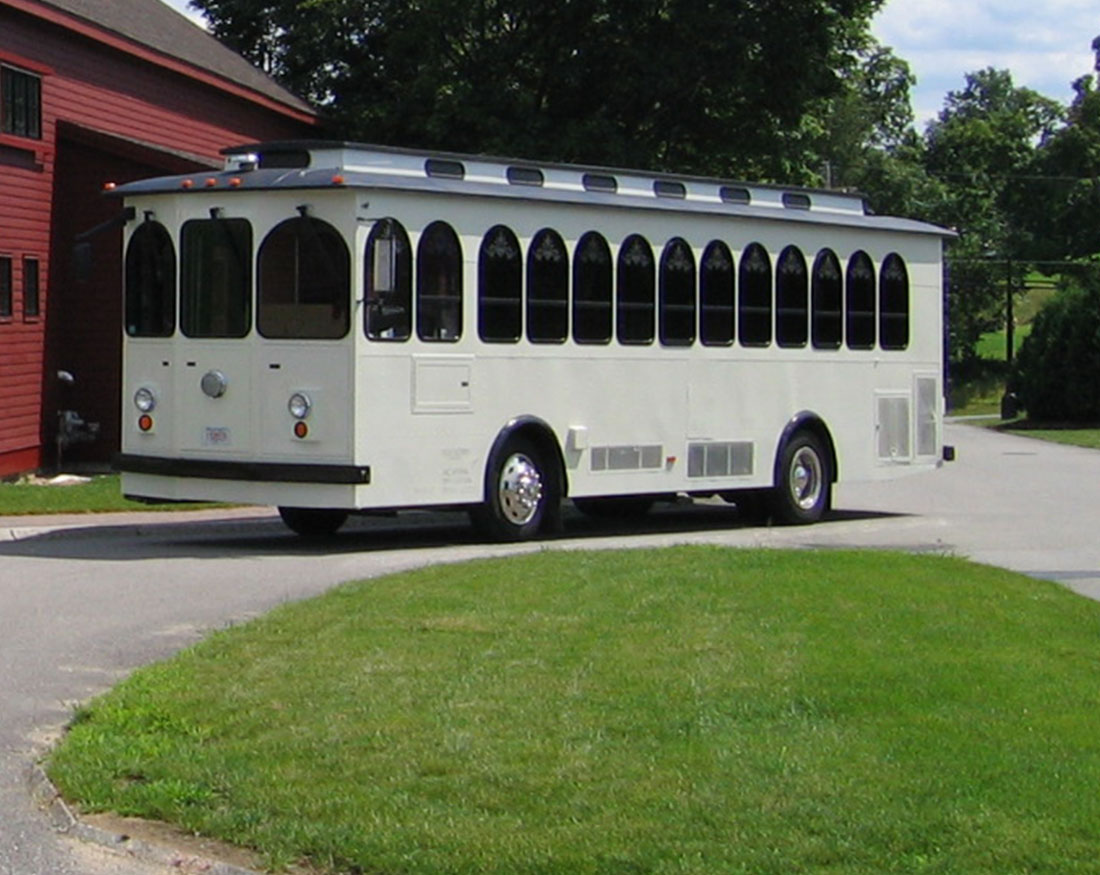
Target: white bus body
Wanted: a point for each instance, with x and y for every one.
(256, 375)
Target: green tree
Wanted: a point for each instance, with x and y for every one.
(1057, 204)
(982, 142)
(708, 86)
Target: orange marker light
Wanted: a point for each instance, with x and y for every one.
(301, 430)
(109, 186)
(337, 180)
(145, 422)
(235, 182)
(211, 182)
(187, 183)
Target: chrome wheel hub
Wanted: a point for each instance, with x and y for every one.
(519, 490)
(805, 478)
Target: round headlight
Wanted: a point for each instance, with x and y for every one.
(299, 405)
(145, 400)
(214, 384)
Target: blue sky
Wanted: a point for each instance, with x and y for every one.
(1046, 44)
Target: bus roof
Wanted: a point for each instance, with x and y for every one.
(319, 164)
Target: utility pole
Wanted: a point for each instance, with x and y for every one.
(1010, 346)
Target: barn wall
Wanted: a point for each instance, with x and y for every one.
(100, 107)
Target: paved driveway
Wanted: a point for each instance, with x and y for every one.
(85, 600)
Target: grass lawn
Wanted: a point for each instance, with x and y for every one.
(689, 710)
(99, 495)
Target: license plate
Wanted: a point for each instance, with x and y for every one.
(216, 436)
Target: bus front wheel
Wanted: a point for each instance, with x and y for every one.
(311, 522)
(521, 494)
(803, 481)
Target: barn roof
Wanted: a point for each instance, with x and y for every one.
(155, 25)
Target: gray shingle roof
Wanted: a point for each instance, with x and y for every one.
(156, 25)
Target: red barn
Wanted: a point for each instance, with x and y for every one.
(93, 91)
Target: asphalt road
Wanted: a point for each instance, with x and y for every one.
(85, 600)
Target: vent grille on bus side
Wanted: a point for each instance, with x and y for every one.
(926, 416)
(720, 459)
(626, 458)
(893, 427)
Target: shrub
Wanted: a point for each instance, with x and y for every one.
(1058, 368)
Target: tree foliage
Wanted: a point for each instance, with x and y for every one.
(709, 86)
(1056, 371)
(978, 147)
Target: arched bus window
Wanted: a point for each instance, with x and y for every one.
(825, 295)
(216, 277)
(634, 292)
(150, 282)
(547, 288)
(388, 281)
(791, 299)
(859, 314)
(499, 286)
(439, 284)
(303, 278)
(716, 295)
(893, 303)
(677, 294)
(754, 306)
(592, 290)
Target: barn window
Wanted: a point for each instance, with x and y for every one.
(5, 287)
(150, 282)
(304, 281)
(216, 277)
(20, 103)
(32, 302)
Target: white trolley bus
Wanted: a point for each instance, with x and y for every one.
(333, 328)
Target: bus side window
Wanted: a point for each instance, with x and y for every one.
(388, 311)
(439, 284)
(791, 299)
(826, 319)
(716, 295)
(677, 294)
(547, 288)
(634, 292)
(859, 313)
(754, 307)
(499, 286)
(893, 303)
(592, 290)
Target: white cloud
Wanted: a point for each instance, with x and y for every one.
(1045, 45)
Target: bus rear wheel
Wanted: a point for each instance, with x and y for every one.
(311, 522)
(803, 482)
(521, 493)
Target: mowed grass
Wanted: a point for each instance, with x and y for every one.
(688, 710)
(101, 494)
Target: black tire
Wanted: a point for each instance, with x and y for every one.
(311, 522)
(619, 507)
(522, 493)
(803, 481)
